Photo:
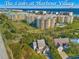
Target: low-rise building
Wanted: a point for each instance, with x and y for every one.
(40, 46)
(61, 41)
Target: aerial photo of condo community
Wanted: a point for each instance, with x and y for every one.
(38, 34)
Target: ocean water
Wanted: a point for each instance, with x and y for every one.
(74, 10)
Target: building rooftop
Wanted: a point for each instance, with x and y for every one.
(41, 43)
(61, 41)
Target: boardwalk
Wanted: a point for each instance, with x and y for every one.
(3, 53)
(62, 53)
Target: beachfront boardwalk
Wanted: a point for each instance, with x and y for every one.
(3, 52)
(63, 55)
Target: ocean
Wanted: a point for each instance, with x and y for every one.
(74, 10)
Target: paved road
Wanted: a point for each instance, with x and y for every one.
(3, 53)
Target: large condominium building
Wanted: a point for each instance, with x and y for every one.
(30, 18)
(65, 17)
(43, 21)
(16, 16)
(46, 22)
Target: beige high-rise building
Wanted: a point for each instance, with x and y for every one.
(16, 16)
(30, 18)
(53, 22)
(42, 24)
(65, 18)
(47, 23)
(43, 21)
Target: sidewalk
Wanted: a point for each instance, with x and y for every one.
(3, 52)
(63, 55)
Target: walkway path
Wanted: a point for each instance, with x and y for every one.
(3, 52)
(63, 55)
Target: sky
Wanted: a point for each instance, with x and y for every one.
(75, 3)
